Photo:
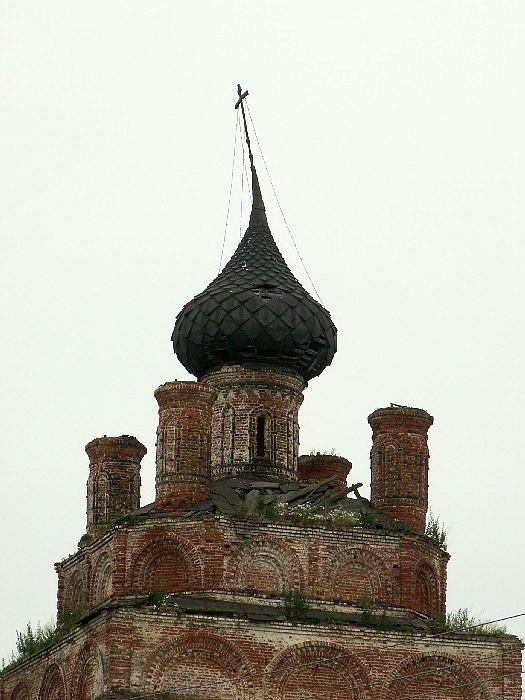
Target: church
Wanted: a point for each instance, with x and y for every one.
(258, 572)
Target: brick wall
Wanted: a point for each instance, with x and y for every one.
(170, 554)
(147, 650)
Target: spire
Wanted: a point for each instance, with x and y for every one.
(258, 215)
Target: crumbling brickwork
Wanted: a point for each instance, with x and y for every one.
(318, 466)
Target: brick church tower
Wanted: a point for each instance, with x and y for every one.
(258, 573)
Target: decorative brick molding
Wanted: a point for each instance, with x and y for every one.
(399, 463)
(183, 444)
(53, 685)
(88, 673)
(21, 692)
(75, 590)
(426, 597)
(102, 582)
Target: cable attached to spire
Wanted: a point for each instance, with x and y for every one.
(275, 193)
(230, 193)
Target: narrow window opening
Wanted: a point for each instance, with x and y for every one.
(261, 430)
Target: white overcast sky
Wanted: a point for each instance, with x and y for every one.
(394, 135)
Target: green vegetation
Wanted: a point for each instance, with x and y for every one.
(295, 605)
(367, 519)
(398, 525)
(462, 620)
(436, 532)
(370, 618)
(29, 641)
(157, 599)
(306, 514)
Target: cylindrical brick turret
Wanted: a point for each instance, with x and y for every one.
(183, 444)
(255, 428)
(113, 485)
(318, 467)
(399, 463)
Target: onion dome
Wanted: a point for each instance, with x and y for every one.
(255, 311)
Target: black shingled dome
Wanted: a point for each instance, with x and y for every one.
(255, 311)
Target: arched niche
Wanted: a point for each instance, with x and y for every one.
(199, 665)
(357, 574)
(266, 566)
(311, 669)
(435, 677)
(169, 564)
(53, 686)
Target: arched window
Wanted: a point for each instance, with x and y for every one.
(228, 435)
(291, 439)
(261, 436)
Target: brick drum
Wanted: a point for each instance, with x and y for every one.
(399, 462)
(255, 424)
(113, 486)
(183, 444)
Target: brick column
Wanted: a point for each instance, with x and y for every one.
(183, 444)
(317, 467)
(399, 463)
(113, 485)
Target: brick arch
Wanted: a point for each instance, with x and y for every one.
(53, 686)
(292, 438)
(75, 593)
(357, 574)
(169, 564)
(268, 566)
(199, 665)
(102, 579)
(21, 692)
(426, 589)
(88, 574)
(302, 669)
(435, 677)
(88, 675)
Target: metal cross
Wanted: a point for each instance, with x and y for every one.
(240, 103)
